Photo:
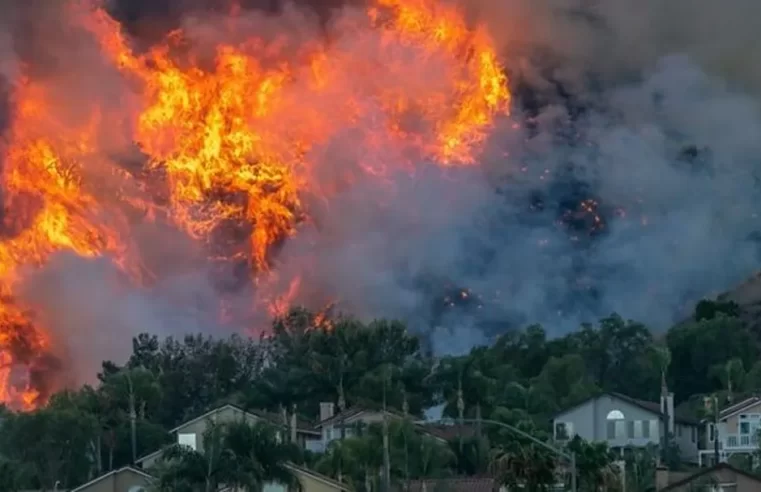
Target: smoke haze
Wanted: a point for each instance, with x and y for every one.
(625, 179)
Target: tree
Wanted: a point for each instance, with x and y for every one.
(594, 463)
(53, 444)
(257, 455)
(697, 347)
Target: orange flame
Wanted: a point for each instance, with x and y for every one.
(240, 139)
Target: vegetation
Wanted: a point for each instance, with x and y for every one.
(522, 379)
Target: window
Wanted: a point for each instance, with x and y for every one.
(611, 429)
(745, 428)
(638, 428)
(615, 415)
(615, 421)
(187, 440)
(646, 429)
(655, 427)
(630, 429)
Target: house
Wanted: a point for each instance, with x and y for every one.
(125, 479)
(736, 430)
(191, 432)
(622, 421)
(331, 425)
(129, 479)
(719, 478)
(470, 484)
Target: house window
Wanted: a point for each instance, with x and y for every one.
(615, 421)
(646, 429)
(187, 440)
(654, 428)
(630, 429)
(745, 428)
(563, 431)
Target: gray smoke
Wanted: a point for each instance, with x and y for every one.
(649, 110)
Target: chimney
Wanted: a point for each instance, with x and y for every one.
(294, 426)
(667, 407)
(661, 478)
(327, 410)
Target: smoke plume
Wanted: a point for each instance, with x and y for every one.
(624, 179)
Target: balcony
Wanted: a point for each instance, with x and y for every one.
(740, 442)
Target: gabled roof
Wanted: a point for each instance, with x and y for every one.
(269, 417)
(111, 473)
(149, 455)
(649, 406)
(352, 412)
(470, 484)
(448, 432)
(739, 407)
(708, 471)
(319, 477)
(443, 432)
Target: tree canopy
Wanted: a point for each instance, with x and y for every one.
(522, 379)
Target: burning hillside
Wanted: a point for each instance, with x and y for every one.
(463, 165)
(232, 135)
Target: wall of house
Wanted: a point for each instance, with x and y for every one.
(688, 439)
(332, 431)
(124, 481)
(310, 484)
(590, 422)
(128, 481)
(729, 431)
(224, 415)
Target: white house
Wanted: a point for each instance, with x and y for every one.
(622, 422)
(736, 431)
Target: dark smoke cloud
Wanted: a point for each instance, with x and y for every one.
(660, 129)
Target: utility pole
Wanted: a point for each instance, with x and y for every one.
(716, 429)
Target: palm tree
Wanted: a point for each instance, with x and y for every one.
(523, 467)
(184, 469)
(256, 455)
(235, 454)
(339, 463)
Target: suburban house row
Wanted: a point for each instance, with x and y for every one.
(618, 420)
(315, 438)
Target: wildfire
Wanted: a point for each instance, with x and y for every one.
(235, 138)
